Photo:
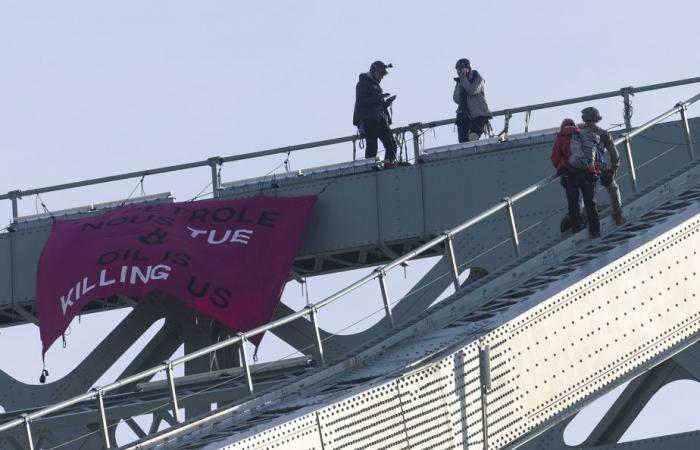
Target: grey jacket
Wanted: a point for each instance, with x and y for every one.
(470, 96)
(607, 141)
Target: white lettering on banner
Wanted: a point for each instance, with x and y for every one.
(103, 281)
(160, 272)
(211, 239)
(136, 271)
(87, 288)
(241, 235)
(66, 301)
(127, 275)
(194, 233)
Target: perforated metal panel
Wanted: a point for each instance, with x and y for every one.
(301, 433)
(370, 420)
(562, 337)
(430, 399)
(610, 323)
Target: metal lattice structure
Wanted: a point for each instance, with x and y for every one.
(520, 351)
(459, 374)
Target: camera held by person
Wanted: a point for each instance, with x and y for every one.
(473, 113)
(388, 99)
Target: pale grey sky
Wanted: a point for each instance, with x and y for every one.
(91, 89)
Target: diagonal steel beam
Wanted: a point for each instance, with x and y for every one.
(630, 403)
(690, 361)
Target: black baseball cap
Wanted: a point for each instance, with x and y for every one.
(463, 63)
(380, 67)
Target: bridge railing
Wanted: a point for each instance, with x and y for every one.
(416, 129)
(311, 311)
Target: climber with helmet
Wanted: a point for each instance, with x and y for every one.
(371, 115)
(591, 116)
(473, 113)
(577, 182)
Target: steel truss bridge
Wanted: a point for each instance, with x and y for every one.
(544, 323)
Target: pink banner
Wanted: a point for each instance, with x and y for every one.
(229, 259)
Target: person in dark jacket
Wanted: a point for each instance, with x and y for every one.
(575, 181)
(371, 115)
(473, 113)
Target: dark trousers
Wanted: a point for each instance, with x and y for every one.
(466, 125)
(575, 182)
(379, 129)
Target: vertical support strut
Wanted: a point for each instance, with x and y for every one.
(513, 228)
(173, 394)
(630, 162)
(416, 141)
(244, 361)
(503, 135)
(385, 296)
(215, 182)
(28, 431)
(313, 315)
(485, 381)
(686, 130)
(626, 92)
(450, 254)
(103, 418)
(14, 195)
(528, 115)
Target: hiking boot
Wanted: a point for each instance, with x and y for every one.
(389, 164)
(565, 224)
(619, 219)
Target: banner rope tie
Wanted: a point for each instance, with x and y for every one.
(287, 167)
(43, 205)
(140, 183)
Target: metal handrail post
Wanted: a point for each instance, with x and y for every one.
(513, 229)
(416, 140)
(385, 295)
(244, 361)
(28, 430)
(214, 162)
(173, 393)
(450, 254)
(103, 418)
(14, 195)
(626, 92)
(528, 115)
(630, 162)
(313, 315)
(686, 130)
